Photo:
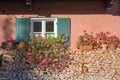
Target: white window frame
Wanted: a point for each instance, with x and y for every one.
(32, 20)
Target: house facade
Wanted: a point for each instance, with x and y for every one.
(24, 19)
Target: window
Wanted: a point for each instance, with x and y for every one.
(44, 27)
(31, 27)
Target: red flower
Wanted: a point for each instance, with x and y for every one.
(84, 31)
(107, 32)
(29, 53)
(96, 37)
(47, 62)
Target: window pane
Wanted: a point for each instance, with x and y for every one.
(37, 26)
(49, 26)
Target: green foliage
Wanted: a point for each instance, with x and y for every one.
(54, 40)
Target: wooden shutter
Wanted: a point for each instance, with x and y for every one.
(22, 29)
(63, 28)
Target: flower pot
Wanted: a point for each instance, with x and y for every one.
(112, 46)
(86, 47)
(21, 45)
(104, 46)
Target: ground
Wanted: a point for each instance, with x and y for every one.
(101, 64)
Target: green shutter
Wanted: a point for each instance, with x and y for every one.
(64, 28)
(22, 29)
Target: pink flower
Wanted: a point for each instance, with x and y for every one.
(39, 39)
(62, 53)
(40, 64)
(33, 47)
(56, 68)
(43, 41)
(60, 58)
(44, 61)
(31, 59)
(52, 56)
(29, 53)
(65, 45)
(63, 64)
(40, 51)
(59, 65)
(46, 55)
(46, 52)
(53, 65)
(32, 42)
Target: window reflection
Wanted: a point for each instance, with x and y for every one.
(37, 26)
(49, 26)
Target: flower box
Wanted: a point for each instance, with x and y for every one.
(86, 47)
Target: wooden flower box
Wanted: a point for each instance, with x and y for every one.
(86, 47)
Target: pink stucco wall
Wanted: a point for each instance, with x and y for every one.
(93, 23)
(7, 27)
(89, 16)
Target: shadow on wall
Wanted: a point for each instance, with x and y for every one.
(114, 9)
(68, 7)
(7, 29)
(49, 8)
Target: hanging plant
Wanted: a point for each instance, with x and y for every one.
(64, 38)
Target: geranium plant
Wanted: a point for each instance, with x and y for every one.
(102, 37)
(9, 43)
(102, 40)
(47, 52)
(113, 42)
(86, 39)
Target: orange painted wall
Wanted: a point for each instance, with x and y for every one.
(89, 16)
